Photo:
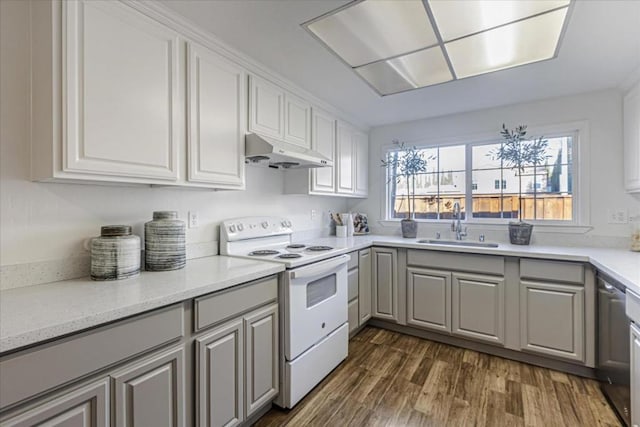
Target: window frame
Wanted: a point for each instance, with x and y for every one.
(580, 177)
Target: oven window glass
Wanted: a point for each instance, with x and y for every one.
(320, 290)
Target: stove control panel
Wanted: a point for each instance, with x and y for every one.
(254, 227)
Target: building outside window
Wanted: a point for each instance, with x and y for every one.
(469, 174)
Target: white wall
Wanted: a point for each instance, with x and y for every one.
(45, 221)
(601, 110)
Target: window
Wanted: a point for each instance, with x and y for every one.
(485, 188)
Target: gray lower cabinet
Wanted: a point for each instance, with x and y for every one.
(219, 376)
(261, 349)
(552, 319)
(364, 286)
(86, 406)
(635, 374)
(385, 283)
(429, 299)
(353, 297)
(478, 307)
(352, 313)
(237, 368)
(151, 391)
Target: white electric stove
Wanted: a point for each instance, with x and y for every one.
(313, 299)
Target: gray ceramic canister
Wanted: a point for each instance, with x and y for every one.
(165, 242)
(115, 254)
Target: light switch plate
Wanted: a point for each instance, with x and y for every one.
(194, 220)
(617, 216)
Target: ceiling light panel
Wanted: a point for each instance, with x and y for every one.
(423, 68)
(523, 42)
(374, 30)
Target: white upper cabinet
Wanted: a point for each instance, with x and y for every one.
(276, 113)
(323, 140)
(632, 140)
(266, 108)
(297, 121)
(122, 102)
(361, 163)
(345, 160)
(216, 118)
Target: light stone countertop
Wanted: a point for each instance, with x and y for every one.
(38, 313)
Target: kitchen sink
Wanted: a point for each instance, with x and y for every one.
(459, 243)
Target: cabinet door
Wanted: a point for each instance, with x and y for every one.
(123, 98)
(613, 342)
(87, 406)
(429, 299)
(635, 374)
(364, 285)
(385, 283)
(352, 311)
(352, 280)
(361, 143)
(150, 391)
(219, 376)
(345, 159)
(216, 118)
(632, 140)
(552, 319)
(297, 121)
(323, 140)
(261, 375)
(478, 307)
(266, 108)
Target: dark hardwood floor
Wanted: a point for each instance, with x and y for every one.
(391, 379)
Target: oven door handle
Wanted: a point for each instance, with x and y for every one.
(320, 268)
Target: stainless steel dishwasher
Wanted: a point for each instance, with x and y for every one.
(613, 347)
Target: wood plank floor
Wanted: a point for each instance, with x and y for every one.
(391, 379)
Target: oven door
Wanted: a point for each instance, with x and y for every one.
(315, 303)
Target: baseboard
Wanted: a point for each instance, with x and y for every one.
(531, 359)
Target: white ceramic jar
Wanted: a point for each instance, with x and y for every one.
(165, 242)
(115, 255)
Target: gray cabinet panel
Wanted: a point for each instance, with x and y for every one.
(150, 391)
(353, 315)
(635, 374)
(34, 371)
(214, 308)
(487, 264)
(429, 299)
(364, 285)
(613, 351)
(219, 376)
(261, 344)
(552, 319)
(353, 261)
(352, 280)
(478, 307)
(557, 271)
(385, 283)
(87, 406)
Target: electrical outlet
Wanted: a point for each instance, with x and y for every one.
(314, 214)
(617, 216)
(194, 221)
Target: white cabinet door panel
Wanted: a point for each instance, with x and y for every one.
(345, 159)
(361, 143)
(632, 140)
(217, 112)
(266, 108)
(323, 140)
(297, 119)
(122, 99)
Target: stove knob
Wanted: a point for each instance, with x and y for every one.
(265, 224)
(288, 223)
(232, 228)
(283, 223)
(240, 227)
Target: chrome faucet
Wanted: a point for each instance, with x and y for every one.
(456, 225)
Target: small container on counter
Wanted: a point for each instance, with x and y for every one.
(165, 242)
(341, 231)
(115, 255)
(635, 237)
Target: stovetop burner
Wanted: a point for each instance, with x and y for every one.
(264, 252)
(296, 246)
(319, 248)
(289, 256)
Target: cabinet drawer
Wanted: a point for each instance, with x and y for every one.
(352, 279)
(353, 262)
(557, 271)
(488, 264)
(633, 306)
(34, 371)
(214, 308)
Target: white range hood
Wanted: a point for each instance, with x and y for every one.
(262, 150)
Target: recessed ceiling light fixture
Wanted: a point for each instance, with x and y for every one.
(400, 45)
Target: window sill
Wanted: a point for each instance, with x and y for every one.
(493, 226)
